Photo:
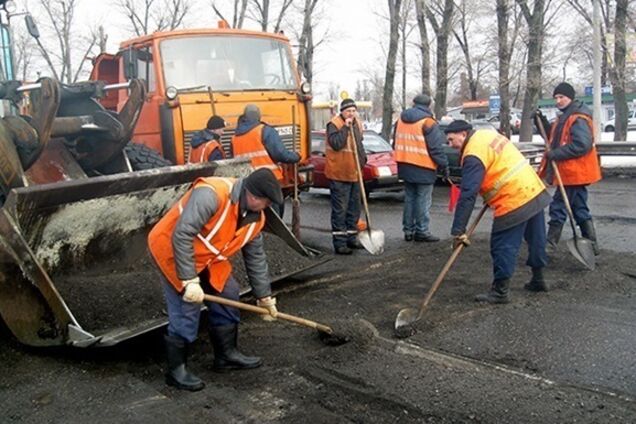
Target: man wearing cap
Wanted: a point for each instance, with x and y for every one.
(493, 167)
(419, 152)
(571, 147)
(206, 144)
(192, 246)
(342, 171)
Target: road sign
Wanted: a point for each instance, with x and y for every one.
(494, 104)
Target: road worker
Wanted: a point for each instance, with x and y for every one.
(191, 245)
(206, 144)
(341, 170)
(572, 149)
(419, 152)
(493, 167)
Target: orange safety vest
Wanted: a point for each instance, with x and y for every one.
(509, 182)
(250, 145)
(410, 144)
(202, 152)
(340, 164)
(217, 241)
(583, 170)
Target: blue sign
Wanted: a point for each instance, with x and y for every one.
(494, 104)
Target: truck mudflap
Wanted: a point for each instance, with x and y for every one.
(74, 267)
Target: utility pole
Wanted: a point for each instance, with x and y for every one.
(596, 88)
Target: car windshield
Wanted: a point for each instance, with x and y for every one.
(373, 143)
(226, 63)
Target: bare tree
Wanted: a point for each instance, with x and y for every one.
(306, 45)
(442, 30)
(240, 7)
(24, 54)
(389, 77)
(504, 53)
(406, 27)
(147, 16)
(618, 72)
(262, 13)
(425, 73)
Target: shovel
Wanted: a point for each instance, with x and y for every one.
(295, 222)
(408, 316)
(327, 335)
(371, 240)
(581, 248)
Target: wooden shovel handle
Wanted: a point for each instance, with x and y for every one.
(264, 311)
(363, 193)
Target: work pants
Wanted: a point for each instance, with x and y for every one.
(345, 212)
(417, 204)
(577, 195)
(504, 246)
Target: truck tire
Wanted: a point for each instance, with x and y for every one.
(143, 157)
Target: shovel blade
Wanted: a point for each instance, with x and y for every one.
(583, 250)
(372, 241)
(404, 322)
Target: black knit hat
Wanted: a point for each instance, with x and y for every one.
(564, 89)
(262, 183)
(215, 122)
(422, 99)
(457, 126)
(347, 103)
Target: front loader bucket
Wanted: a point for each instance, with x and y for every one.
(74, 267)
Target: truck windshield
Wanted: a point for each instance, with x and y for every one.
(227, 63)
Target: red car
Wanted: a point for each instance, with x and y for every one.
(380, 172)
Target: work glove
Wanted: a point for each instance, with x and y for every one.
(270, 304)
(193, 292)
(461, 239)
(549, 155)
(446, 173)
(539, 116)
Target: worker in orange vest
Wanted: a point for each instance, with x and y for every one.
(206, 144)
(192, 246)
(341, 170)
(493, 167)
(572, 149)
(261, 144)
(419, 152)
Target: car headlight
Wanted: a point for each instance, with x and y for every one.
(305, 87)
(383, 171)
(171, 92)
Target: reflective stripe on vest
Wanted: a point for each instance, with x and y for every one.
(250, 146)
(410, 144)
(504, 179)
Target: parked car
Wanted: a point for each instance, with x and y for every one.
(380, 172)
(610, 126)
(533, 153)
(515, 122)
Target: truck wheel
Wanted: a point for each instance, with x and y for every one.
(143, 157)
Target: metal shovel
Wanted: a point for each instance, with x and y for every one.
(371, 240)
(408, 316)
(581, 248)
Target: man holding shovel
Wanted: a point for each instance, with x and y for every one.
(192, 245)
(493, 167)
(341, 169)
(571, 147)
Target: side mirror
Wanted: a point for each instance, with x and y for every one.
(131, 63)
(32, 27)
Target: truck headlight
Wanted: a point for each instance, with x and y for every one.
(171, 92)
(305, 88)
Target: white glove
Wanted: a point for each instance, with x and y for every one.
(193, 292)
(270, 304)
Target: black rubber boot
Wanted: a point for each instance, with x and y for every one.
(498, 293)
(537, 283)
(554, 235)
(226, 355)
(178, 375)
(588, 231)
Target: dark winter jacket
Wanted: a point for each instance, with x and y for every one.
(337, 139)
(204, 136)
(271, 140)
(435, 141)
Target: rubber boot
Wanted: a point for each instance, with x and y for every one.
(178, 375)
(588, 231)
(498, 293)
(537, 283)
(554, 235)
(226, 355)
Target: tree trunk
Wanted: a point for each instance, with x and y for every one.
(443, 31)
(620, 51)
(404, 65)
(425, 74)
(306, 42)
(389, 78)
(504, 66)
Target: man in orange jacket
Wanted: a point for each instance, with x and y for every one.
(572, 149)
(206, 144)
(192, 245)
(493, 167)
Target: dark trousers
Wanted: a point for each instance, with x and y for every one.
(183, 317)
(577, 195)
(504, 246)
(345, 212)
